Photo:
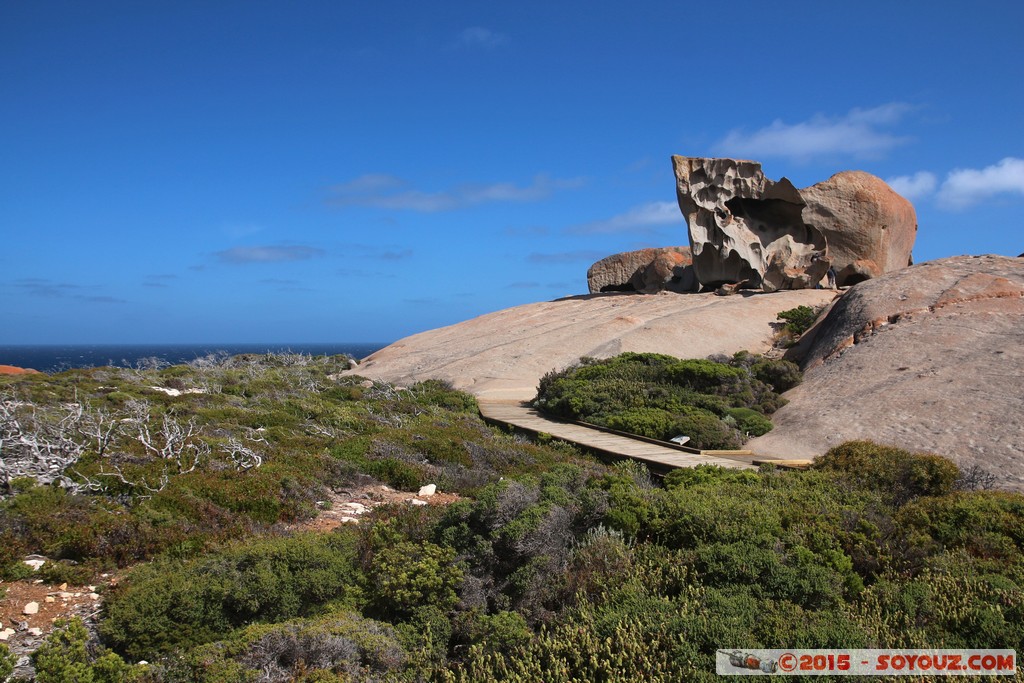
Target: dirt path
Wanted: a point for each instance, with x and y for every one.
(29, 609)
(350, 505)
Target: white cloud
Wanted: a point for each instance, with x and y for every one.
(916, 186)
(389, 192)
(566, 256)
(49, 289)
(530, 231)
(380, 252)
(966, 186)
(478, 36)
(857, 133)
(882, 115)
(278, 254)
(369, 183)
(642, 218)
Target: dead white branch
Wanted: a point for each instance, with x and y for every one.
(39, 444)
(244, 457)
(174, 442)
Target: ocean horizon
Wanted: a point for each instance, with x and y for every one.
(59, 357)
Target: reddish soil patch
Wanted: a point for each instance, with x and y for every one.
(350, 505)
(65, 602)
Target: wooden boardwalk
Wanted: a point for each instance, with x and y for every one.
(663, 458)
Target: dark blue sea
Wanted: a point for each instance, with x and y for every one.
(57, 358)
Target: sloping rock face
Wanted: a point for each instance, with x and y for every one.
(645, 270)
(928, 358)
(503, 355)
(13, 370)
(870, 228)
(747, 228)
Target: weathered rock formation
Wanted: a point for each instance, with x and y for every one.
(929, 358)
(504, 354)
(745, 228)
(13, 370)
(646, 270)
(870, 229)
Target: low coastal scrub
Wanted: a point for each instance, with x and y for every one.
(717, 403)
(800, 319)
(548, 567)
(106, 467)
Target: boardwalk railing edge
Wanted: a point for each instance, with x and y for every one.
(629, 435)
(755, 459)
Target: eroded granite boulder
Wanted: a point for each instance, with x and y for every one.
(870, 229)
(645, 270)
(746, 228)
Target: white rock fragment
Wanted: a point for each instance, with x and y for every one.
(428, 490)
(31, 608)
(50, 598)
(348, 520)
(177, 392)
(35, 631)
(416, 501)
(94, 596)
(355, 508)
(35, 564)
(6, 633)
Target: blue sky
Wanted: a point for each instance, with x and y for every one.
(342, 171)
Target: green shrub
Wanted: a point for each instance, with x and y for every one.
(685, 477)
(946, 611)
(60, 525)
(662, 397)
(654, 423)
(902, 475)
(170, 605)
(631, 497)
(799, 319)
(434, 392)
(66, 572)
(22, 484)
(397, 473)
(337, 646)
(7, 662)
(987, 524)
(750, 422)
(703, 376)
(406, 576)
(65, 656)
(706, 431)
(795, 574)
(502, 632)
(780, 375)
